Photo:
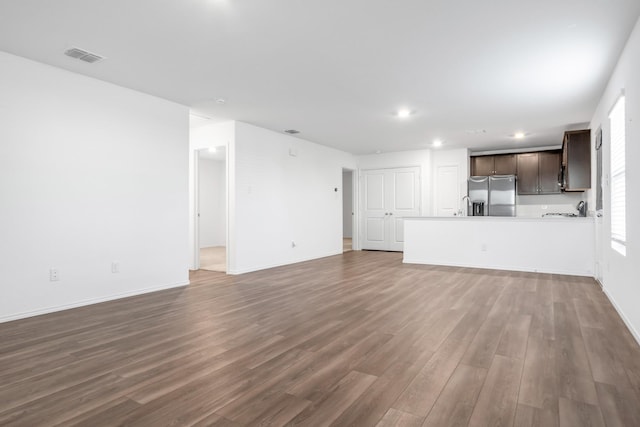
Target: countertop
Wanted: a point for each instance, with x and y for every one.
(500, 218)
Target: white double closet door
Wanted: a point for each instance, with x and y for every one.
(389, 195)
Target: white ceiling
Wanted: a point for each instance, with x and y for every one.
(337, 69)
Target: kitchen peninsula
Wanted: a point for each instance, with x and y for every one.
(546, 245)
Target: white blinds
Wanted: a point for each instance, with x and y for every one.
(618, 178)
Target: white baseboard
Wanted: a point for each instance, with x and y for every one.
(502, 267)
(90, 301)
(624, 318)
(267, 266)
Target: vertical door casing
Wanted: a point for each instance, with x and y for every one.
(389, 195)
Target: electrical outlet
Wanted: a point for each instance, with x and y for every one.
(115, 267)
(483, 248)
(54, 275)
(293, 244)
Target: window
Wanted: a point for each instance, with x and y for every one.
(618, 177)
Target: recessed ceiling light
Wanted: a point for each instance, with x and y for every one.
(291, 131)
(212, 149)
(518, 135)
(378, 151)
(437, 143)
(221, 101)
(404, 113)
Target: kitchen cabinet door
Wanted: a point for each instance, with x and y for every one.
(539, 173)
(527, 173)
(576, 160)
(549, 163)
(482, 166)
(501, 164)
(505, 164)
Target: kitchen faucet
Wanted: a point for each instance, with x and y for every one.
(468, 205)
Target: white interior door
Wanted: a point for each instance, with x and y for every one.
(389, 195)
(447, 191)
(403, 202)
(374, 227)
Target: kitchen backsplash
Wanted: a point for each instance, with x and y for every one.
(537, 206)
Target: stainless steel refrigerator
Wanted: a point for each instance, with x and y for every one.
(478, 187)
(492, 195)
(502, 195)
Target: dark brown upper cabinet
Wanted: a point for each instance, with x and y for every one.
(539, 173)
(549, 168)
(501, 164)
(576, 160)
(528, 173)
(482, 166)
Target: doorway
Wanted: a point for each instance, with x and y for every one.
(211, 229)
(347, 210)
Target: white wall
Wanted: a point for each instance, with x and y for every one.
(213, 203)
(621, 273)
(456, 157)
(90, 173)
(280, 198)
(347, 204)
(552, 245)
(209, 136)
(420, 158)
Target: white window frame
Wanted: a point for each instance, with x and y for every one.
(618, 216)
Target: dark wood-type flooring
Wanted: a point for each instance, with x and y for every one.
(353, 340)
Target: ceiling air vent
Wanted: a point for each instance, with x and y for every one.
(83, 55)
(291, 131)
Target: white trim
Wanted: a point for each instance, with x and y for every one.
(355, 223)
(504, 268)
(91, 301)
(196, 201)
(196, 209)
(227, 204)
(355, 240)
(267, 266)
(624, 318)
